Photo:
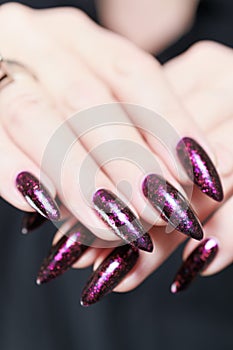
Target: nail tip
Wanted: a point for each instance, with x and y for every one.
(148, 249)
(24, 231)
(173, 288)
(38, 281)
(219, 197)
(198, 236)
(42, 279)
(84, 303)
(144, 243)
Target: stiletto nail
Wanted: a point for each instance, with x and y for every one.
(109, 274)
(172, 205)
(200, 168)
(65, 253)
(37, 196)
(121, 219)
(31, 221)
(197, 262)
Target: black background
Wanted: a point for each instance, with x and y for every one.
(50, 317)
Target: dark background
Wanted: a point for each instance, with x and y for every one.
(50, 317)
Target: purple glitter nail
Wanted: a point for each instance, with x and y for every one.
(120, 218)
(200, 168)
(197, 262)
(109, 274)
(37, 196)
(65, 253)
(172, 205)
(31, 221)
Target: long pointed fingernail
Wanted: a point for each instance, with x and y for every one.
(65, 253)
(172, 205)
(200, 168)
(109, 274)
(31, 221)
(121, 219)
(37, 196)
(197, 262)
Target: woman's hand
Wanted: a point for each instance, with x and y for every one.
(79, 65)
(202, 78)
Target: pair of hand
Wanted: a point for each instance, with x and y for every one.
(80, 65)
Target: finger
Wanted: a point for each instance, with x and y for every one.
(136, 77)
(104, 130)
(202, 79)
(24, 105)
(124, 79)
(69, 248)
(198, 88)
(108, 131)
(166, 244)
(14, 162)
(220, 228)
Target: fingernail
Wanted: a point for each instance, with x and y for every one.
(37, 196)
(172, 205)
(197, 262)
(65, 253)
(121, 219)
(31, 221)
(109, 274)
(200, 168)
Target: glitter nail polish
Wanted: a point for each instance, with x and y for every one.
(37, 196)
(200, 168)
(121, 219)
(196, 262)
(109, 274)
(31, 221)
(65, 253)
(172, 205)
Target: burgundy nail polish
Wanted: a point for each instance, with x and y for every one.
(31, 221)
(37, 196)
(120, 218)
(65, 253)
(197, 262)
(109, 274)
(172, 205)
(200, 168)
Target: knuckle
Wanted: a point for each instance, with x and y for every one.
(89, 91)
(71, 15)
(204, 48)
(20, 108)
(13, 18)
(75, 13)
(14, 10)
(135, 62)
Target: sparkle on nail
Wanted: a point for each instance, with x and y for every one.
(197, 261)
(121, 219)
(199, 168)
(211, 243)
(172, 205)
(37, 196)
(109, 274)
(66, 252)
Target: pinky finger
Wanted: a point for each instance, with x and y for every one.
(210, 256)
